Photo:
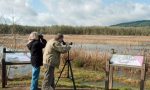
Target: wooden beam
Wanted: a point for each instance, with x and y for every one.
(16, 51)
(3, 69)
(17, 63)
(130, 66)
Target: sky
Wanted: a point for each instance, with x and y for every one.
(73, 12)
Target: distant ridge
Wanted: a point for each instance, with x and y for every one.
(141, 23)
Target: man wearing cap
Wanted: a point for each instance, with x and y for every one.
(51, 59)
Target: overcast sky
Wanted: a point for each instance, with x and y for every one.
(73, 12)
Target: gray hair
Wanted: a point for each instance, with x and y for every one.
(33, 36)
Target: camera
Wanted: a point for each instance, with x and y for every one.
(66, 43)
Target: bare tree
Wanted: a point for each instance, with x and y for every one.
(14, 21)
(3, 23)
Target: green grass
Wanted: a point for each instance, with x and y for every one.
(83, 78)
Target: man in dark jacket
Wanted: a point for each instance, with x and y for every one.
(35, 45)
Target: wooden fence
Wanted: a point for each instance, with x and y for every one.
(4, 63)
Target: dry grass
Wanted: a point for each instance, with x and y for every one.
(100, 39)
(93, 60)
(21, 41)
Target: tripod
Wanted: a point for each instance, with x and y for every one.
(67, 62)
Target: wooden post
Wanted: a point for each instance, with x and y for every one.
(3, 69)
(111, 77)
(113, 51)
(111, 72)
(107, 76)
(143, 71)
(142, 77)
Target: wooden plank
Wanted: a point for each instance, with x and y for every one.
(107, 76)
(111, 77)
(130, 66)
(17, 63)
(16, 51)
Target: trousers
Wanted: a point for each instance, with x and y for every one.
(48, 81)
(35, 78)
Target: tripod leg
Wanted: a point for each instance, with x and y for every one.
(61, 73)
(68, 74)
(72, 75)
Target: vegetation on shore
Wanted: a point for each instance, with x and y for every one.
(78, 30)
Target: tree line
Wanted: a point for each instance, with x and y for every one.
(80, 30)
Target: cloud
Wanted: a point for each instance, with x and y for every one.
(95, 12)
(15, 10)
(72, 12)
(124, 12)
(75, 12)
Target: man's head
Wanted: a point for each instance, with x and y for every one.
(59, 37)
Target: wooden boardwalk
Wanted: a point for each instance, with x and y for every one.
(27, 88)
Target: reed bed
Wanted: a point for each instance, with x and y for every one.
(93, 60)
(10, 40)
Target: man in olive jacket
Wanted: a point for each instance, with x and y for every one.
(51, 59)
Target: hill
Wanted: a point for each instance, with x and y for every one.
(141, 23)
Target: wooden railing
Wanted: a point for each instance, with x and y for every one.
(4, 63)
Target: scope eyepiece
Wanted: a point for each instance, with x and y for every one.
(64, 43)
(70, 43)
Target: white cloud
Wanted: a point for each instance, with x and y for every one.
(15, 10)
(94, 12)
(74, 12)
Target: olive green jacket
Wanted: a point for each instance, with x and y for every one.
(52, 52)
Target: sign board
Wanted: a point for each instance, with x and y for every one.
(127, 60)
(12, 57)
